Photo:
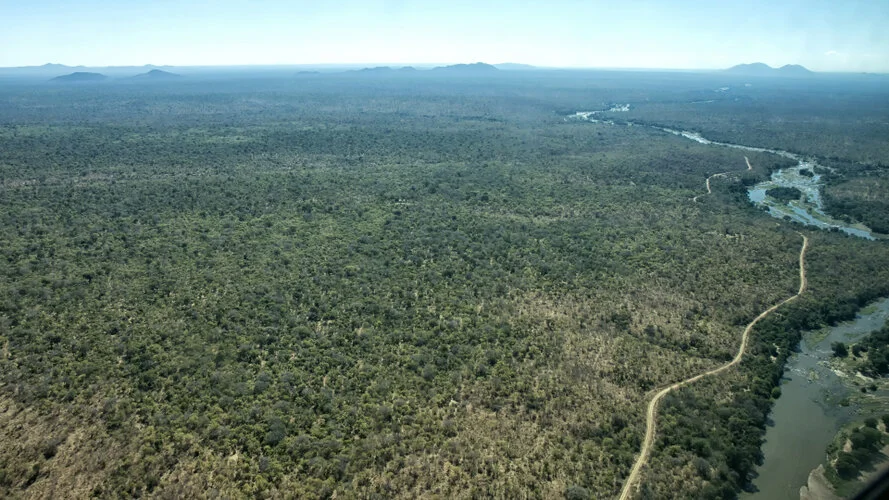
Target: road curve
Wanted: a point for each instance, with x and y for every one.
(709, 191)
(651, 414)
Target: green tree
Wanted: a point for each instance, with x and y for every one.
(839, 349)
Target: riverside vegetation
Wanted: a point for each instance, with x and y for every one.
(377, 287)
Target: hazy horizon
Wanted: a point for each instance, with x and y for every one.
(689, 34)
(332, 68)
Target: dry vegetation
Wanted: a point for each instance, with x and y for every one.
(454, 293)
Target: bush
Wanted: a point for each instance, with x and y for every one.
(576, 492)
(51, 446)
(847, 466)
(277, 432)
(839, 349)
(866, 438)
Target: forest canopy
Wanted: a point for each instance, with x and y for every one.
(388, 287)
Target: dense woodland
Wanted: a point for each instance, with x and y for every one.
(384, 288)
(859, 195)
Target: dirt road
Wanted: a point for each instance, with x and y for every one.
(651, 414)
(709, 191)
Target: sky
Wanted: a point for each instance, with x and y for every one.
(834, 35)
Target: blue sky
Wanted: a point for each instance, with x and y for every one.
(836, 35)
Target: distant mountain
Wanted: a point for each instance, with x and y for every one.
(467, 69)
(385, 71)
(514, 66)
(80, 76)
(762, 69)
(47, 70)
(377, 69)
(752, 69)
(157, 74)
(51, 66)
(306, 73)
(794, 69)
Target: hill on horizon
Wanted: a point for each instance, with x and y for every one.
(376, 69)
(475, 68)
(762, 69)
(157, 74)
(80, 76)
(53, 66)
(795, 69)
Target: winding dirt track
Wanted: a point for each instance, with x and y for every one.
(709, 191)
(651, 414)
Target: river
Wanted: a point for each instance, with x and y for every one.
(805, 176)
(813, 405)
(807, 416)
(811, 409)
